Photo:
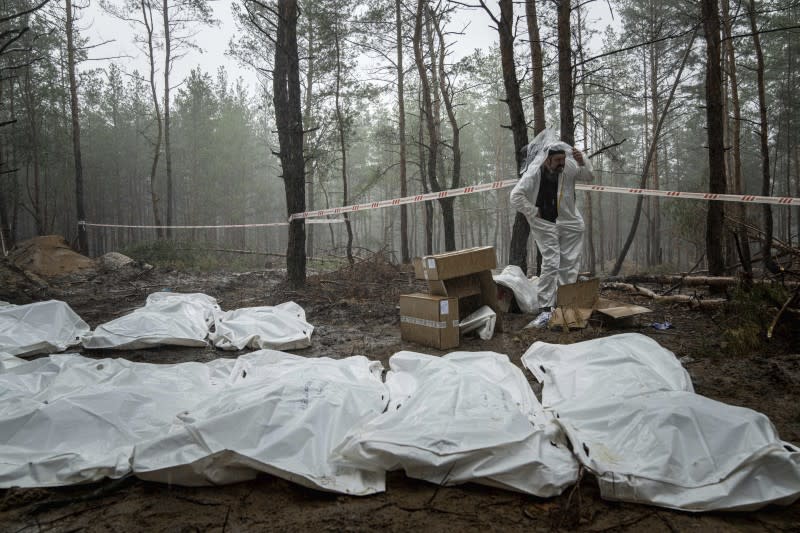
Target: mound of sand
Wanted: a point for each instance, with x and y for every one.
(49, 256)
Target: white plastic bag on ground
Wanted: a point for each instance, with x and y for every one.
(281, 414)
(70, 419)
(483, 320)
(630, 413)
(620, 366)
(684, 451)
(464, 417)
(282, 327)
(167, 318)
(40, 327)
(524, 289)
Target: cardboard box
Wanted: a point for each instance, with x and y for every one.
(462, 274)
(576, 302)
(472, 291)
(455, 264)
(430, 320)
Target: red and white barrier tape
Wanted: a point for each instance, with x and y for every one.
(224, 226)
(746, 198)
(472, 189)
(406, 200)
(450, 193)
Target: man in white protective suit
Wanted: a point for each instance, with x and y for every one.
(545, 194)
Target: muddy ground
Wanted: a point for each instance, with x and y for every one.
(354, 312)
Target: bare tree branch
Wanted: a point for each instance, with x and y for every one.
(23, 13)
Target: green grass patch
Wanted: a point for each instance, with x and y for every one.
(194, 256)
(750, 313)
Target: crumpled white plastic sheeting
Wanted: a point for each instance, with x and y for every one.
(525, 292)
(620, 366)
(9, 361)
(464, 417)
(483, 320)
(50, 326)
(70, 419)
(282, 327)
(167, 318)
(630, 413)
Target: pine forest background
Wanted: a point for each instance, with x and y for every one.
(203, 152)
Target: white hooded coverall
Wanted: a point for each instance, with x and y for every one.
(560, 243)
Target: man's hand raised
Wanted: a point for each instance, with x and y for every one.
(578, 155)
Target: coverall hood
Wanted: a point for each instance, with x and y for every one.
(537, 149)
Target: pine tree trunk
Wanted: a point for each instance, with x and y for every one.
(716, 149)
(766, 209)
(167, 145)
(5, 200)
(147, 16)
(83, 240)
(37, 209)
(738, 182)
(537, 67)
(427, 109)
(311, 43)
(518, 253)
(447, 97)
(405, 253)
(790, 135)
(566, 91)
(423, 176)
(288, 117)
(342, 144)
(646, 144)
(655, 214)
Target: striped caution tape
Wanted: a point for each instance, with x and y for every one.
(451, 193)
(223, 226)
(746, 198)
(472, 189)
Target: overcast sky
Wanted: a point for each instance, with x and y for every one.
(100, 27)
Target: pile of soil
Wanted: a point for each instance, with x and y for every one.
(354, 312)
(49, 256)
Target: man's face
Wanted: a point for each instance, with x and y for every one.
(555, 163)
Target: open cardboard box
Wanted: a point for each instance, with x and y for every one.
(576, 302)
(464, 275)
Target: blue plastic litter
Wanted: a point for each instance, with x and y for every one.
(662, 325)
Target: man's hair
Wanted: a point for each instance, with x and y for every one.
(555, 151)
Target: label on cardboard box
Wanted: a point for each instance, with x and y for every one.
(444, 307)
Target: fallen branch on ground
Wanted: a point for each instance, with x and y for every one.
(783, 308)
(694, 281)
(684, 276)
(694, 302)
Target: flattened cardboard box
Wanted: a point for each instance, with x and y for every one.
(455, 264)
(575, 303)
(429, 320)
